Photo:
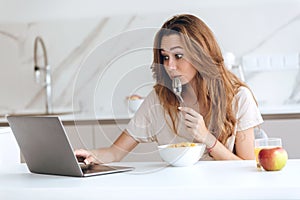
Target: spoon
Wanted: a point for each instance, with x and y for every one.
(177, 88)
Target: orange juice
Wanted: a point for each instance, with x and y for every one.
(256, 151)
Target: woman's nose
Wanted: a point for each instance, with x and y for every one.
(172, 64)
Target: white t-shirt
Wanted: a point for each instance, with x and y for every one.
(151, 124)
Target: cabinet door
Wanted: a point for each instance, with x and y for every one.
(144, 152)
(288, 131)
(105, 135)
(81, 136)
(9, 149)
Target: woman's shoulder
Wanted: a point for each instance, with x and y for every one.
(243, 92)
(244, 96)
(152, 96)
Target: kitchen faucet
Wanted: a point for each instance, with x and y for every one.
(46, 69)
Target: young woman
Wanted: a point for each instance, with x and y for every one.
(218, 109)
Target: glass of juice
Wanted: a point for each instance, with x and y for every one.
(265, 143)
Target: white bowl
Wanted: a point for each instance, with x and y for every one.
(181, 156)
(134, 104)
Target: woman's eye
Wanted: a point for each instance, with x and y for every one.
(165, 57)
(178, 56)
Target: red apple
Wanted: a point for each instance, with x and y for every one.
(273, 159)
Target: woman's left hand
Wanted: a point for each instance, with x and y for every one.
(195, 124)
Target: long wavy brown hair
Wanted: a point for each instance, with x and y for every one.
(216, 85)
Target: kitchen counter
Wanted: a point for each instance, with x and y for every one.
(288, 111)
(83, 118)
(268, 112)
(155, 180)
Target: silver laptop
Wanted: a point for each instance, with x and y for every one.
(47, 150)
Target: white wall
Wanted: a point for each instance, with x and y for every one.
(71, 29)
(42, 10)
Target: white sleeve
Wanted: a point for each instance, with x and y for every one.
(147, 121)
(248, 114)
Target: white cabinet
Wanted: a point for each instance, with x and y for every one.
(288, 130)
(103, 135)
(9, 149)
(81, 136)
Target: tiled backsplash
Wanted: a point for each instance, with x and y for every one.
(100, 80)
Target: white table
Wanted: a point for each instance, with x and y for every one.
(153, 180)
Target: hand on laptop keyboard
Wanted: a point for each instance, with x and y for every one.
(86, 156)
(84, 166)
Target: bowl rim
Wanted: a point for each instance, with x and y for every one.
(164, 146)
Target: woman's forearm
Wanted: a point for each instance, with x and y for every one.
(244, 145)
(217, 150)
(117, 151)
(220, 152)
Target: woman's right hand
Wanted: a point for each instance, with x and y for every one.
(196, 125)
(88, 157)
